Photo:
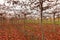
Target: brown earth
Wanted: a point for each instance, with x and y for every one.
(30, 31)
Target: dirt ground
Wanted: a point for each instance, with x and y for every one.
(29, 31)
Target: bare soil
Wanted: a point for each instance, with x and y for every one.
(30, 31)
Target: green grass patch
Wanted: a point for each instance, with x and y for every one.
(32, 21)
